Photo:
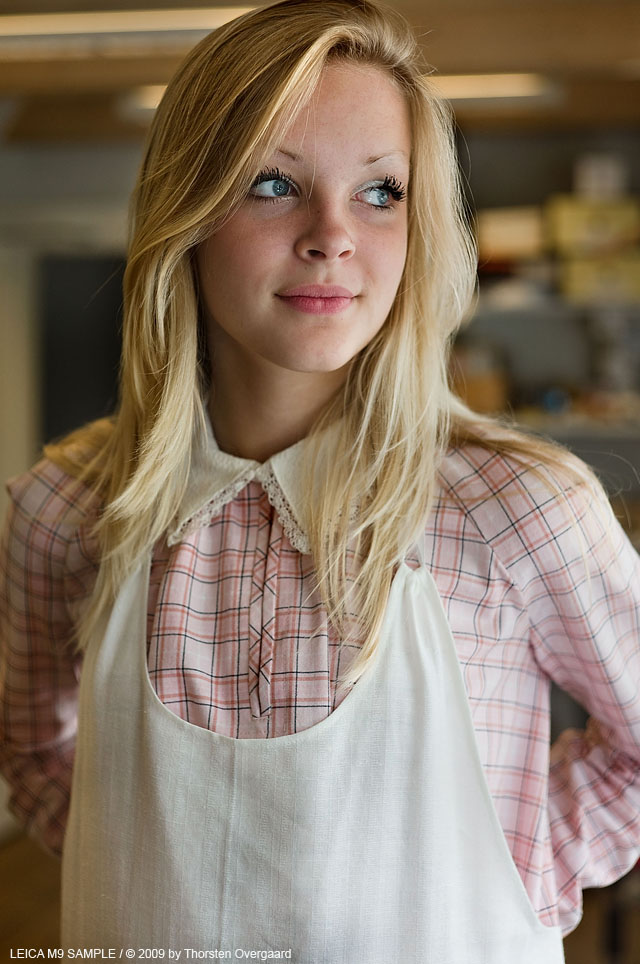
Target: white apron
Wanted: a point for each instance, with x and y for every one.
(369, 838)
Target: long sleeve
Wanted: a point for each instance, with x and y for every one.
(39, 672)
(580, 584)
(541, 583)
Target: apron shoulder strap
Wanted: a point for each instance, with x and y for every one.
(418, 550)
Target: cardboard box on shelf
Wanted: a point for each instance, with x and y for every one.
(575, 226)
(614, 279)
(507, 234)
(479, 377)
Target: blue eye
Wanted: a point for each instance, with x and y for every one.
(271, 185)
(382, 194)
(379, 196)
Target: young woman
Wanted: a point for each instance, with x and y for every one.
(316, 602)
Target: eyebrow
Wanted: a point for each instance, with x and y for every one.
(366, 163)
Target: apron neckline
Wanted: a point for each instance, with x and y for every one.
(356, 695)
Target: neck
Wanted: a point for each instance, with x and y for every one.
(258, 409)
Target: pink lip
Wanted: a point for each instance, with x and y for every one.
(318, 299)
(317, 291)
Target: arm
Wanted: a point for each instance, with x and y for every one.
(39, 671)
(581, 588)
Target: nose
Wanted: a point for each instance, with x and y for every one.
(325, 235)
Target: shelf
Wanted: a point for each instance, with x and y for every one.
(580, 427)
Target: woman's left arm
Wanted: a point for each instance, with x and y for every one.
(583, 602)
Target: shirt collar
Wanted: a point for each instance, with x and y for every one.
(216, 478)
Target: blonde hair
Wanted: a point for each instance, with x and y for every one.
(222, 114)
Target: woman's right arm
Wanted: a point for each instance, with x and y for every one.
(43, 566)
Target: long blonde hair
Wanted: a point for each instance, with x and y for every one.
(222, 114)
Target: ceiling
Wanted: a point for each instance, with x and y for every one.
(588, 49)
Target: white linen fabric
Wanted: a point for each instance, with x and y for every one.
(369, 838)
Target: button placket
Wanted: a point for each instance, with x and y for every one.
(262, 618)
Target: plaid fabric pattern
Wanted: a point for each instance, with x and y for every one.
(238, 642)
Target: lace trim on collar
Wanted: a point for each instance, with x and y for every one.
(294, 532)
(210, 510)
(296, 536)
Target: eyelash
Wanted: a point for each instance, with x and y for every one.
(391, 184)
(394, 187)
(271, 174)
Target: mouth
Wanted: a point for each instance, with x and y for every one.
(318, 299)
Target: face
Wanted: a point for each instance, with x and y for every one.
(304, 274)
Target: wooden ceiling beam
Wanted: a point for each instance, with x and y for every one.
(582, 44)
(469, 37)
(587, 103)
(90, 75)
(83, 119)
(566, 36)
(90, 6)
(95, 118)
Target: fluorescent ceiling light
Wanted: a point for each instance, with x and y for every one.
(490, 86)
(630, 68)
(147, 97)
(117, 21)
(139, 103)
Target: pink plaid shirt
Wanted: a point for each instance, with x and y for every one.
(238, 642)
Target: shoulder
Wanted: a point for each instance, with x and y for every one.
(51, 514)
(475, 474)
(48, 555)
(48, 559)
(49, 495)
(48, 530)
(54, 494)
(520, 503)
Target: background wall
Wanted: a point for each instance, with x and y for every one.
(64, 202)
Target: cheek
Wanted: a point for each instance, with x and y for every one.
(386, 258)
(230, 266)
(248, 256)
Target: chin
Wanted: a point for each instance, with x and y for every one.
(313, 361)
(316, 365)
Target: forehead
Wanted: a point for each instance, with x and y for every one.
(353, 107)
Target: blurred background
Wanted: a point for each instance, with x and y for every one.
(547, 101)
